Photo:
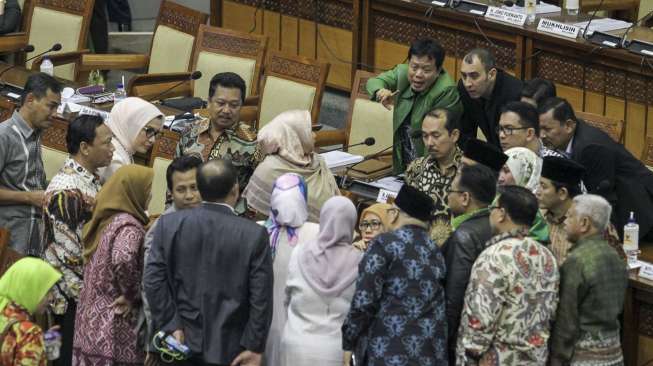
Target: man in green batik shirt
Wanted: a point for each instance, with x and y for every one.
(417, 87)
(593, 282)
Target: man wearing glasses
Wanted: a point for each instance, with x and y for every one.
(512, 295)
(434, 173)
(223, 135)
(471, 193)
(519, 126)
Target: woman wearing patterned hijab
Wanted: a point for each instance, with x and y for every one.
(523, 169)
(288, 144)
(288, 229)
(320, 287)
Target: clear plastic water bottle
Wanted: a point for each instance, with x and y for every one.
(631, 239)
(572, 7)
(52, 342)
(531, 9)
(47, 67)
(119, 94)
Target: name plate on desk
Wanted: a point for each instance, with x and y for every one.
(385, 195)
(505, 16)
(557, 28)
(646, 271)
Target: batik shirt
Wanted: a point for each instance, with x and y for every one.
(397, 314)
(23, 345)
(237, 144)
(69, 202)
(425, 175)
(510, 304)
(592, 291)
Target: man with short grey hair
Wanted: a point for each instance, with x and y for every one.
(592, 289)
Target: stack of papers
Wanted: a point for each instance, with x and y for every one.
(603, 25)
(337, 159)
(392, 184)
(541, 8)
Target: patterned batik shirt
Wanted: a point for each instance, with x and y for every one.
(397, 314)
(69, 203)
(592, 291)
(425, 175)
(510, 304)
(237, 144)
(23, 345)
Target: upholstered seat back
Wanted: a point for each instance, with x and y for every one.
(280, 95)
(213, 63)
(369, 119)
(171, 50)
(50, 26)
(53, 160)
(159, 186)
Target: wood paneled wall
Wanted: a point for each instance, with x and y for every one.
(295, 32)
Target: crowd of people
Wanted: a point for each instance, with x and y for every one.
(498, 252)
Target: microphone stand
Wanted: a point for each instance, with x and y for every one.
(193, 76)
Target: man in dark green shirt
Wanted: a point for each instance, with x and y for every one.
(593, 281)
(416, 88)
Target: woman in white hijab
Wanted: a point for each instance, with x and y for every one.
(523, 169)
(135, 124)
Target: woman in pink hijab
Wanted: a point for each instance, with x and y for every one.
(288, 144)
(319, 289)
(135, 124)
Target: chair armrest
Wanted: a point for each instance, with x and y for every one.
(249, 115)
(330, 137)
(252, 100)
(13, 42)
(58, 59)
(151, 85)
(94, 61)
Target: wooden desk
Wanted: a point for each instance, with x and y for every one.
(638, 315)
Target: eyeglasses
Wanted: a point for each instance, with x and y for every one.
(374, 225)
(508, 131)
(152, 132)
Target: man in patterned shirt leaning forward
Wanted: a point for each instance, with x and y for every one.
(433, 173)
(512, 295)
(592, 290)
(68, 205)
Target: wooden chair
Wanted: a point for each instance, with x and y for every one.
(7, 108)
(366, 118)
(8, 256)
(163, 152)
(613, 127)
(67, 22)
(13, 42)
(216, 50)
(647, 153)
(54, 151)
(291, 82)
(171, 49)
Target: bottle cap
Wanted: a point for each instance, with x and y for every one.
(120, 86)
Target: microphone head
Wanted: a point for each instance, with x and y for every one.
(196, 75)
(508, 3)
(56, 47)
(370, 141)
(28, 48)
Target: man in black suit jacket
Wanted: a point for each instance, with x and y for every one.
(483, 90)
(208, 277)
(611, 171)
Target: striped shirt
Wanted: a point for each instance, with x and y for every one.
(21, 169)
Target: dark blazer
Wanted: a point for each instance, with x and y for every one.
(209, 273)
(614, 173)
(485, 113)
(460, 252)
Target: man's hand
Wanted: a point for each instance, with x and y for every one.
(384, 96)
(247, 358)
(35, 198)
(179, 335)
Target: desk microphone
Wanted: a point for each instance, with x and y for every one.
(193, 76)
(592, 18)
(368, 141)
(624, 41)
(30, 48)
